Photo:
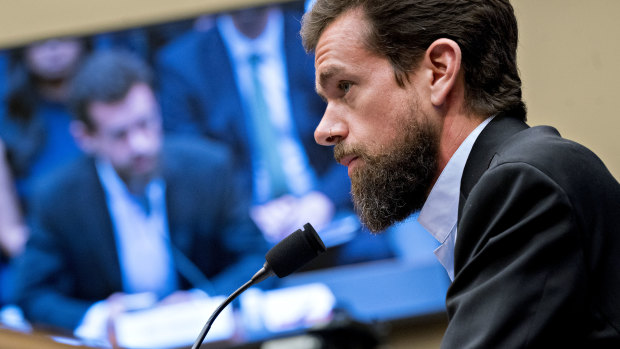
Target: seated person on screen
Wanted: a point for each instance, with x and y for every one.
(140, 214)
(35, 126)
(34, 132)
(248, 82)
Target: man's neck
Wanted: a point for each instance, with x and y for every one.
(137, 185)
(455, 129)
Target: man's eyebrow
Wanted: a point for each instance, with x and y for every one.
(324, 76)
(328, 73)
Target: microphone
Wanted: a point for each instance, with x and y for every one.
(290, 254)
(294, 251)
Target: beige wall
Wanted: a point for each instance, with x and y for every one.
(569, 57)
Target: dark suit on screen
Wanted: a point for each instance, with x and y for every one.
(71, 260)
(538, 245)
(198, 94)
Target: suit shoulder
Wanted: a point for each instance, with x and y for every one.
(66, 181)
(542, 145)
(566, 162)
(185, 48)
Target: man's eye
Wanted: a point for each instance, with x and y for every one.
(344, 86)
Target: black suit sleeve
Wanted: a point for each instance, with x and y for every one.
(44, 286)
(520, 273)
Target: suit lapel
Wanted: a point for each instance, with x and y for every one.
(176, 200)
(102, 230)
(181, 234)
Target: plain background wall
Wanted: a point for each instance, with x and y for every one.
(569, 58)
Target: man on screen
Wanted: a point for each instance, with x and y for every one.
(140, 215)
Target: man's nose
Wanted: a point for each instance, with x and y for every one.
(330, 131)
(140, 141)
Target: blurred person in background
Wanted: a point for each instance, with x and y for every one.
(248, 82)
(139, 215)
(13, 231)
(35, 129)
(144, 41)
(34, 132)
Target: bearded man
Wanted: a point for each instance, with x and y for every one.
(424, 107)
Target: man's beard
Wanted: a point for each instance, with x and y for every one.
(136, 181)
(393, 184)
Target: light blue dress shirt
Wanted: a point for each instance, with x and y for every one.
(273, 75)
(141, 237)
(143, 247)
(439, 214)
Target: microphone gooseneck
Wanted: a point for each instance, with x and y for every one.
(290, 254)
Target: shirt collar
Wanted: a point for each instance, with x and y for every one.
(118, 193)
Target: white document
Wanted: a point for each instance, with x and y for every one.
(173, 325)
(288, 308)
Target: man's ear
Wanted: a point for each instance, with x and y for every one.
(82, 136)
(443, 58)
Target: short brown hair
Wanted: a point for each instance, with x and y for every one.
(402, 30)
(106, 76)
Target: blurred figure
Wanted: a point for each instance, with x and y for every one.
(139, 215)
(249, 83)
(35, 137)
(35, 129)
(13, 232)
(12, 227)
(144, 41)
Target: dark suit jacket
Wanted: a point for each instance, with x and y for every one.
(537, 253)
(71, 259)
(199, 95)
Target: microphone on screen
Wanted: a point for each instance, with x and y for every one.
(290, 254)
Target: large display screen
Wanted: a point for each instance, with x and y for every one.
(363, 278)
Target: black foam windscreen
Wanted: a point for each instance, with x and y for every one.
(294, 251)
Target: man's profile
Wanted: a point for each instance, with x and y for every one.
(424, 107)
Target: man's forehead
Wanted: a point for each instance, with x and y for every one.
(339, 39)
(349, 25)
